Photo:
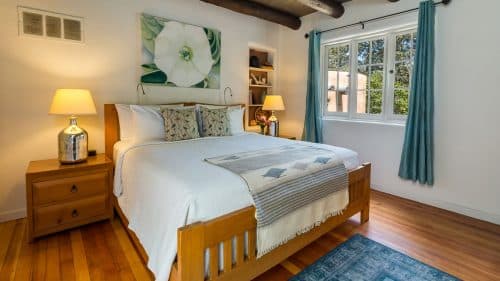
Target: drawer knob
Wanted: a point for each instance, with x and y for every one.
(74, 213)
(74, 189)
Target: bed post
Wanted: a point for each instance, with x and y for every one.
(190, 252)
(365, 212)
(111, 129)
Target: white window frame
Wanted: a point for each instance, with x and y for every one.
(389, 63)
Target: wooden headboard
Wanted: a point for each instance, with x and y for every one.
(111, 129)
(112, 126)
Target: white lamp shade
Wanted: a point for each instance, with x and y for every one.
(273, 102)
(72, 102)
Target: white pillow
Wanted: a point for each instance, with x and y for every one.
(147, 122)
(235, 116)
(125, 120)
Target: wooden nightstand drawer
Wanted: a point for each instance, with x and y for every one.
(70, 188)
(60, 197)
(68, 213)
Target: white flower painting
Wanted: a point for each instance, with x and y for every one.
(179, 55)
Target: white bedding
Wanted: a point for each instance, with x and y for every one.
(162, 186)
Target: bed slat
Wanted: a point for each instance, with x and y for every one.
(228, 256)
(252, 242)
(214, 262)
(240, 249)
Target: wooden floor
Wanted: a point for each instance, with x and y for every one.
(464, 247)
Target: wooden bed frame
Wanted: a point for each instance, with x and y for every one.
(194, 239)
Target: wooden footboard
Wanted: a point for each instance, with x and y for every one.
(194, 239)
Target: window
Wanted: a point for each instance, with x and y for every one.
(382, 66)
(338, 77)
(405, 52)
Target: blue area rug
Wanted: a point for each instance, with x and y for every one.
(362, 259)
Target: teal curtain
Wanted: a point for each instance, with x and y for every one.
(313, 124)
(418, 149)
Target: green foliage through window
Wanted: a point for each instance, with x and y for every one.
(405, 52)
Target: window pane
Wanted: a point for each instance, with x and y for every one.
(404, 46)
(377, 51)
(363, 53)
(377, 78)
(403, 70)
(338, 78)
(344, 58)
(414, 46)
(375, 104)
(362, 78)
(343, 81)
(405, 52)
(338, 58)
(370, 76)
(362, 100)
(337, 101)
(401, 101)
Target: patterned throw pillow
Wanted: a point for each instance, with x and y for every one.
(180, 124)
(214, 122)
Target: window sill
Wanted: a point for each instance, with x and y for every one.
(393, 123)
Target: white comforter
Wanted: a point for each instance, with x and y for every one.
(162, 186)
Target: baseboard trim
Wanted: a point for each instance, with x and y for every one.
(449, 206)
(12, 215)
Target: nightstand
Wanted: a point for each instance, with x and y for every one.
(287, 137)
(60, 197)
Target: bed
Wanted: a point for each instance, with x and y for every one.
(219, 244)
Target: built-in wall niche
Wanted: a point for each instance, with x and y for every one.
(50, 25)
(261, 82)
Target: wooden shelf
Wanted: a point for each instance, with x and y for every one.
(260, 86)
(261, 69)
(257, 92)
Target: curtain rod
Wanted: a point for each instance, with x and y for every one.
(362, 23)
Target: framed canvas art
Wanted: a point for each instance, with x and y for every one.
(177, 54)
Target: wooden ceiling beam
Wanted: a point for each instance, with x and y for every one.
(328, 7)
(260, 11)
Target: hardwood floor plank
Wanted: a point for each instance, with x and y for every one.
(40, 268)
(6, 230)
(24, 269)
(276, 273)
(133, 258)
(67, 267)
(119, 259)
(100, 265)
(53, 272)
(291, 267)
(79, 259)
(8, 270)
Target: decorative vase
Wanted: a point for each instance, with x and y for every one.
(262, 130)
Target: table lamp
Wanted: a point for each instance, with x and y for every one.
(273, 103)
(73, 140)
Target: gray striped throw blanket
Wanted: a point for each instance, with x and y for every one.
(286, 178)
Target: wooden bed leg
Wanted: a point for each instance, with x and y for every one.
(190, 253)
(365, 214)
